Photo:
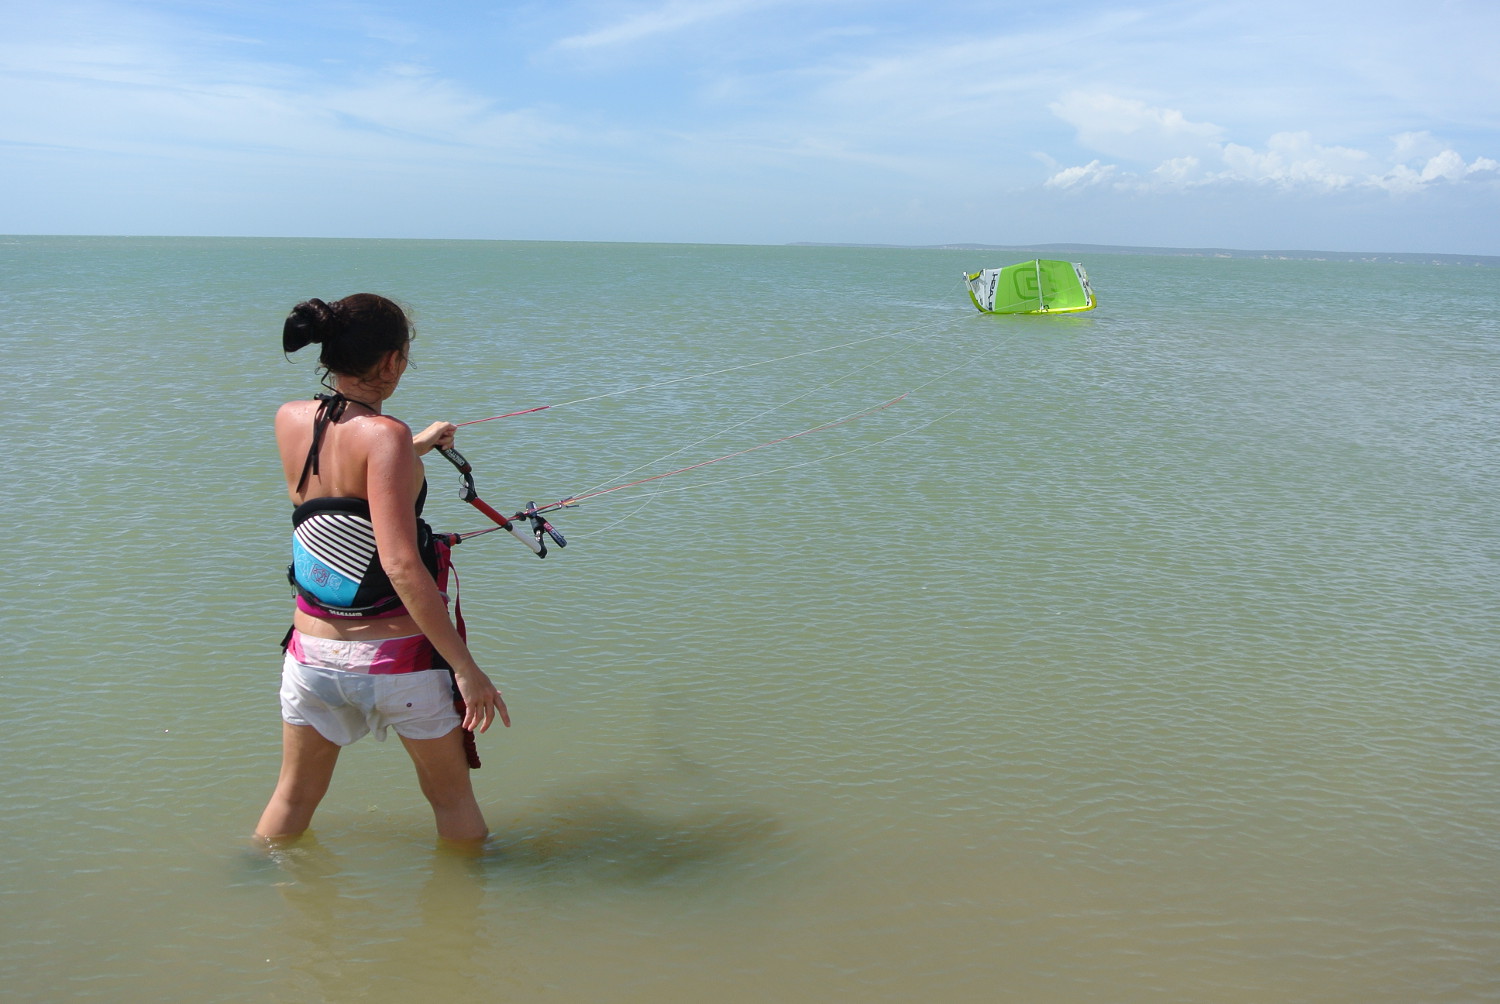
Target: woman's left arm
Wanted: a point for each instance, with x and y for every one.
(391, 473)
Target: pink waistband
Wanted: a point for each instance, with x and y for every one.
(382, 656)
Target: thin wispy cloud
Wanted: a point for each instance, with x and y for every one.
(658, 20)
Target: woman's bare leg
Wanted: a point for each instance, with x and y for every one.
(307, 762)
(443, 773)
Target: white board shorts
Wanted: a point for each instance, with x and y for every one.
(344, 706)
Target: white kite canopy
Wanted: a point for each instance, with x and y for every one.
(1040, 286)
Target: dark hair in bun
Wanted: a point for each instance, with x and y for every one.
(355, 332)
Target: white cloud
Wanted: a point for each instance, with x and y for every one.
(1092, 173)
(1177, 172)
(1131, 129)
(1293, 160)
(1448, 165)
(1409, 146)
(1445, 166)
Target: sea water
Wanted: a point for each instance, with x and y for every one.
(1149, 654)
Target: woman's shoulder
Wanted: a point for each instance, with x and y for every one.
(295, 414)
(378, 436)
(384, 426)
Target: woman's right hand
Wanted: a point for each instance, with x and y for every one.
(482, 700)
(438, 434)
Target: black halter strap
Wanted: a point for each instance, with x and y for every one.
(330, 409)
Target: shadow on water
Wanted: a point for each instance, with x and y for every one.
(625, 835)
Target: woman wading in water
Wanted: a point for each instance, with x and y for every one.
(371, 645)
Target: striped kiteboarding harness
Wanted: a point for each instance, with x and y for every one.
(336, 567)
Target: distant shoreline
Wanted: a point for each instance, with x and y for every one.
(1024, 250)
(1397, 257)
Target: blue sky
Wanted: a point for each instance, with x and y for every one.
(1331, 125)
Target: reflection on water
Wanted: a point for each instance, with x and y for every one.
(348, 934)
(338, 940)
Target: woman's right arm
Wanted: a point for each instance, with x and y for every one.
(391, 473)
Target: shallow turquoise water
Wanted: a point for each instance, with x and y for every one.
(1148, 654)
